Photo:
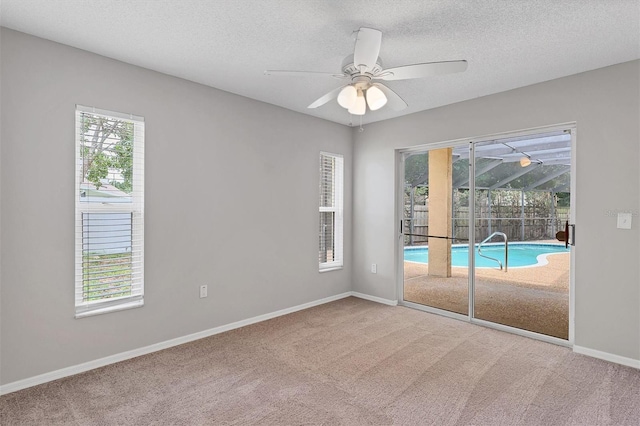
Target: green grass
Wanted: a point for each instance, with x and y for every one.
(106, 276)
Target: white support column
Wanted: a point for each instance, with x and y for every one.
(489, 207)
(522, 214)
(553, 213)
(412, 214)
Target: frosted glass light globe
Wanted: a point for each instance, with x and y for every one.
(375, 98)
(360, 106)
(347, 97)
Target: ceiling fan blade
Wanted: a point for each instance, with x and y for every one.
(326, 98)
(305, 73)
(421, 70)
(367, 48)
(394, 101)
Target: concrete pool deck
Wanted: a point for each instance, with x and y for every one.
(534, 299)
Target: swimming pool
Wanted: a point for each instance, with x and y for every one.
(520, 254)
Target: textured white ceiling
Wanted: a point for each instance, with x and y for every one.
(228, 44)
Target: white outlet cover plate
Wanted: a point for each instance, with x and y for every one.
(624, 220)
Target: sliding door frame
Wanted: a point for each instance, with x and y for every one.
(399, 216)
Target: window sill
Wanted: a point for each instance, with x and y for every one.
(333, 268)
(108, 309)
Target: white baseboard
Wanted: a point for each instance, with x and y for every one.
(374, 298)
(81, 368)
(629, 362)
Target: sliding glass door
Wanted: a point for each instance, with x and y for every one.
(435, 224)
(521, 201)
(480, 229)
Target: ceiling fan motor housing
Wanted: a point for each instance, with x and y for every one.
(350, 69)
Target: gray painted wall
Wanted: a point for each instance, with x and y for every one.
(234, 156)
(231, 201)
(605, 105)
(1, 127)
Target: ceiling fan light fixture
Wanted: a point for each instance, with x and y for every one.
(359, 107)
(347, 96)
(525, 161)
(365, 66)
(375, 98)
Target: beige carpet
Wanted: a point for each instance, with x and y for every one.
(350, 362)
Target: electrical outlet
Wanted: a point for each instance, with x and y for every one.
(203, 291)
(374, 268)
(624, 220)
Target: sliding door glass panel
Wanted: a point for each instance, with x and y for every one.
(521, 274)
(435, 228)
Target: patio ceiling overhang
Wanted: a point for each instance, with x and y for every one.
(498, 164)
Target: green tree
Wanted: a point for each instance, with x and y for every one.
(563, 199)
(416, 168)
(107, 143)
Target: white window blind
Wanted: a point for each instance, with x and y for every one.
(331, 211)
(109, 211)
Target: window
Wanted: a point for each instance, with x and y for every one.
(109, 211)
(331, 214)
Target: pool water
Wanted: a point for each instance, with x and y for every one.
(520, 254)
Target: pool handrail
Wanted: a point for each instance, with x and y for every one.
(506, 249)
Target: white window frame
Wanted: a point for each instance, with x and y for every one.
(337, 208)
(136, 208)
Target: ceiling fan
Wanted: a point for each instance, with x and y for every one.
(364, 68)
